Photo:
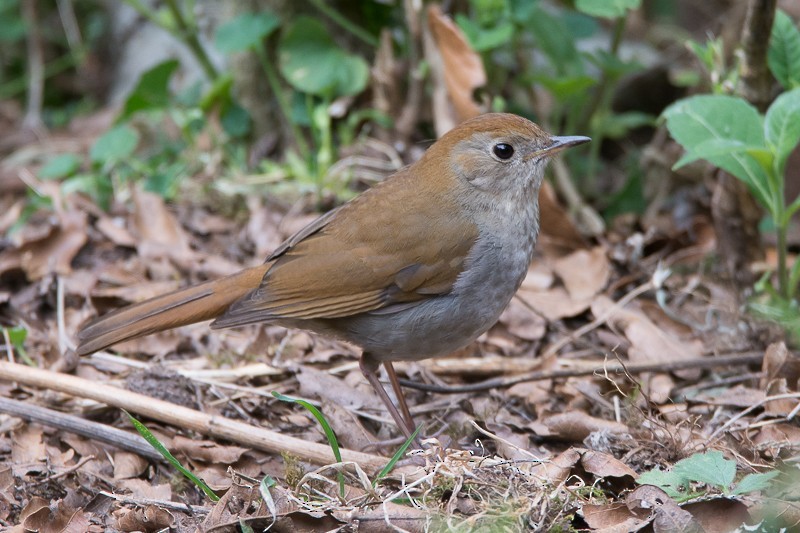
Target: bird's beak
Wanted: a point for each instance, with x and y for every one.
(558, 144)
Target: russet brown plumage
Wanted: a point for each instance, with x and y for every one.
(418, 266)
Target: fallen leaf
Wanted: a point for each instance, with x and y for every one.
(575, 426)
(208, 451)
(462, 67)
(554, 304)
(584, 272)
(159, 232)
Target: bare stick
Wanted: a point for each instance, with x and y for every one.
(79, 426)
(746, 358)
(210, 425)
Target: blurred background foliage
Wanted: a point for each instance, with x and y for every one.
(315, 100)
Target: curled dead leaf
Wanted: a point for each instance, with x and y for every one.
(462, 68)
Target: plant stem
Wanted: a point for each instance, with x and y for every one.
(188, 34)
(347, 25)
(783, 273)
(283, 104)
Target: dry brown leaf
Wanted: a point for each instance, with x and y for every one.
(139, 488)
(314, 383)
(557, 469)
(129, 465)
(57, 518)
(208, 451)
(575, 426)
(462, 66)
(738, 396)
(522, 322)
(649, 343)
(48, 249)
(28, 452)
(611, 518)
(554, 304)
(114, 229)
(604, 465)
(151, 518)
(779, 362)
(584, 272)
(159, 232)
(720, 515)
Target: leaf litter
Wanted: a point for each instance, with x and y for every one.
(566, 449)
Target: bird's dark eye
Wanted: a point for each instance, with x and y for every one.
(503, 150)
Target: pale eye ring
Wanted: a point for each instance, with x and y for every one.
(503, 151)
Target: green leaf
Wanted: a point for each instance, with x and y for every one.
(754, 482)
(17, 335)
(312, 63)
(155, 443)
(564, 87)
(617, 125)
(98, 188)
(549, 32)
(673, 483)
(607, 8)
(326, 428)
(715, 147)
(483, 39)
(117, 143)
(152, 91)
(710, 468)
(60, 166)
(396, 457)
(236, 121)
(698, 119)
(245, 31)
(783, 55)
(782, 125)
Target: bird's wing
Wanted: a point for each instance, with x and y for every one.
(381, 249)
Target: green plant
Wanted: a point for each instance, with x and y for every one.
(155, 443)
(731, 134)
(579, 84)
(334, 442)
(318, 71)
(710, 469)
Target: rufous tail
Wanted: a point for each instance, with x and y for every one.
(197, 303)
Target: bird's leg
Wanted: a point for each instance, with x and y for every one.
(369, 368)
(398, 392)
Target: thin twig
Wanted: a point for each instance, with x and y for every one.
(746, 358)
(757, 405)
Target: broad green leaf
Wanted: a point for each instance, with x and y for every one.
(782, 125)
(483, 39)
(60, 166)
(695, 120)
(236, 121)
(715, 147)
(564, 87)
(245, 31)
(675, 484)
(152, 91)
(617, 125)
(312, 63)
(549, 32)
(754, 482)
(607, 8)
(710, 468)
(117, 143)
(783, 55)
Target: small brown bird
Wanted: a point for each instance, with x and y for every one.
(418, 266)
